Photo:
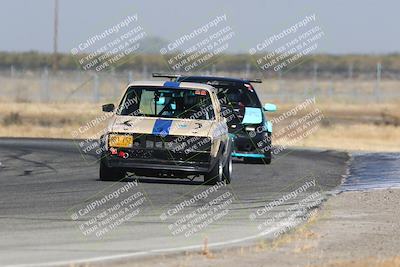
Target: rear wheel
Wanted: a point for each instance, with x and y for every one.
(268, 157)
(110, 174)
(215, 175)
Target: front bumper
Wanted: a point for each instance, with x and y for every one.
(245, 146)
(161, 165)
(162, 155)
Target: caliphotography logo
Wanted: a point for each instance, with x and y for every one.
(109, 47)
(200, 47)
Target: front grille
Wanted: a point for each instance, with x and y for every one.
(172, 143)
(174, 148)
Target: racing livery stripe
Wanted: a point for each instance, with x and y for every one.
(162, 127)
(172, 84)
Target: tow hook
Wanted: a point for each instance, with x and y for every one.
(123, 155)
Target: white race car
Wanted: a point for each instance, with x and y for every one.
(167, 129)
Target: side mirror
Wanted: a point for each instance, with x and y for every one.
(270, 107)
(108, 107)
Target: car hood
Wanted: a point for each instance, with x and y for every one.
(160, 126)
(252, 115)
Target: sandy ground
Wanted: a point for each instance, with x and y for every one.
(352, 229)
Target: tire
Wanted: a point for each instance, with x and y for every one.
(268, 157)
(227, 170)
(110, 174)
(215, 175)
(268, 154)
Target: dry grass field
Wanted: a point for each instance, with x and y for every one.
(373, 127)
(356, 116)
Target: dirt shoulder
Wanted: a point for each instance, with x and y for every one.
(351, 229)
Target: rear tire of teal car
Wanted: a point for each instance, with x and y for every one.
(268, 157)
(215, 175)
(110, 174)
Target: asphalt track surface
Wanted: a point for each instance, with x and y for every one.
(43, 183)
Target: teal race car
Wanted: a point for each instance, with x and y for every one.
(249, 128)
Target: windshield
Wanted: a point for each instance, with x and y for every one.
(230, 93)
(167, 103)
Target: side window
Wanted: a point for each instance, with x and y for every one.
(147, 102)
(129, 103)
(217, 104)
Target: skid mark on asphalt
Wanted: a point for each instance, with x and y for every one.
(18, 161)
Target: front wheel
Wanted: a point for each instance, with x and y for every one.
(110, 174)
(215, 175)
(227, 170)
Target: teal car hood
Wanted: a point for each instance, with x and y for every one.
(252, 116)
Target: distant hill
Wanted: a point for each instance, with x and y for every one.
(151, 58)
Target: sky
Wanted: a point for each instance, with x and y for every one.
(351, 26)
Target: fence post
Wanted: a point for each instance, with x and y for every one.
(330, 89)
(350, 71)
(352, 90)
(115, 87)
(96, 95)
(315, 77)
(247, 72)
(45, 85)
(12, 71)
(130, 76)
(144, 72)
(280, 87)
(378, 82)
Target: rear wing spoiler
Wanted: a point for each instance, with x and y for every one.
(175, 76)
(166, 75)
(254, 81)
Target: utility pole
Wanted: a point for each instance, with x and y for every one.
(55, 37)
